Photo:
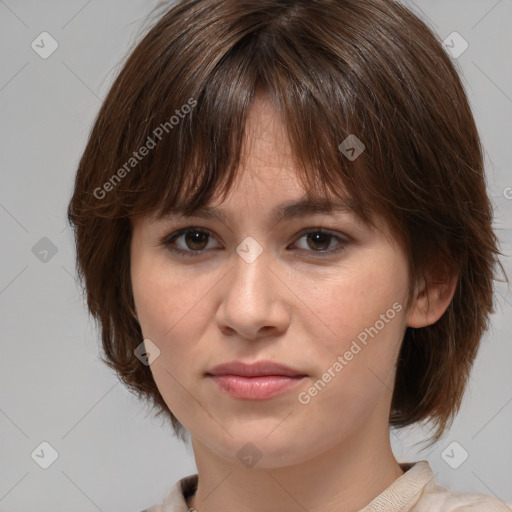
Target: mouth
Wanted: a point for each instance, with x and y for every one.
(258, 381)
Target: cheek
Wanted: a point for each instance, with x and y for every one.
(358, 317)
(152, 300)
(352, 297)
(169, 305)
(355, 356)
(165, 296)
(174, 311)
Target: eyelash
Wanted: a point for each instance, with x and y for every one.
(168, 240)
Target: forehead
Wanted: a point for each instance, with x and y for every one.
(266, 142)
(267, 181)
(301, 207)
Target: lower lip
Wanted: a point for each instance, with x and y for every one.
(255, 388)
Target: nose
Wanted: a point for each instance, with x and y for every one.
(254, 300)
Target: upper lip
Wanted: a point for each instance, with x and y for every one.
(257, 369)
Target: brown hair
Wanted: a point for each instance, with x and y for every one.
(333, 68)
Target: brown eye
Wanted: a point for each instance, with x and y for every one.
(188, 241)
(319, 240)
(196, 240)
(192, 241)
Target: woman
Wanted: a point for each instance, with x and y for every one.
(283, 229)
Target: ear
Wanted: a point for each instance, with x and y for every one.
(433, 298)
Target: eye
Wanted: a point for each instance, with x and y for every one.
(191, 241)
(320, 240)
(194, 242)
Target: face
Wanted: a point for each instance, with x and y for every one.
(328, 303)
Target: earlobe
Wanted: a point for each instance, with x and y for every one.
(432, 300)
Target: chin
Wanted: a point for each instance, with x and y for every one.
(261, 446)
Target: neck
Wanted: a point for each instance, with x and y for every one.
(345, 478)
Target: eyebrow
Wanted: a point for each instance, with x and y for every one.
(295, 209)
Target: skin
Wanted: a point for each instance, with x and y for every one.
(292, 306)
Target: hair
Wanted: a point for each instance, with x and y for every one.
(332, 68)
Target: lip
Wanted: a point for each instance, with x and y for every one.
(257, 369)
(258, 381)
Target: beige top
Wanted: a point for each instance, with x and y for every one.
(415, 491)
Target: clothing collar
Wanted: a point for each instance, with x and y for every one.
(398, 497)
(406, 490)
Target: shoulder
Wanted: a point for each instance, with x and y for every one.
(417, 491)
(437, 498)
(463, 502)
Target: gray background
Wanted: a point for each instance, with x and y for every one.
(112, 455)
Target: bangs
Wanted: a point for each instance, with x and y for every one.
(203, 109)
